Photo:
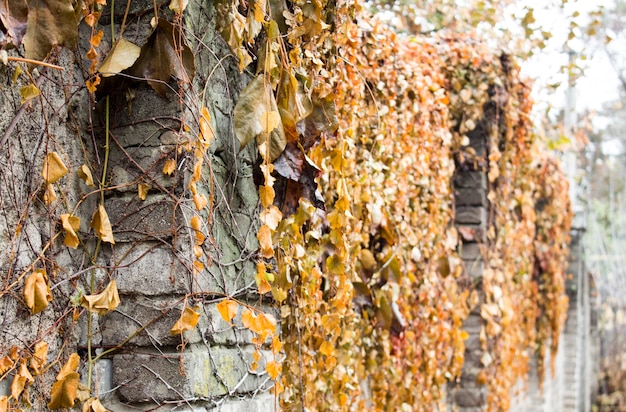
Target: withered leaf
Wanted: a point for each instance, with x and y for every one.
(37, 291)
(142, 190)
(121, 57)
(53, 168)
(256, 116)
(70, 224)
(159, 58)
(104, 302)
(84, 173)
(290, 162)
(14, 18)
(21, 378)
(70, 366)
(63, 394)
(28, 92)
(178, 6)
(94, 405)
(187, 321)
(101, 224)
(321, 120)
(227, 309)
(50, 23)
(38, 360)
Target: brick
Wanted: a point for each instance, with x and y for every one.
(471, 179)
(471, 215)
(470, 197)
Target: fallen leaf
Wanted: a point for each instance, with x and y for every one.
(104, 302)
(39, 358)
(70, 224)
(28, 92)
(53, 168)
(142, 190)
(84, 174)
(227, 309)
(63, 393)
(162, 57)
(121, 57)
(50, 23)
(37, 291)
(102, 226)
(187, 321)
(257, 117)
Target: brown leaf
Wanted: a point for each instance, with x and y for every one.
(38, 360)
(102, 226)
(63, 394)
(53, 168)
(104, 302)
(290, 162)
(159, 58)
(187, 321)
(14, 18)
(228, 309)
(50, 23)
(37, 291)
(70, 224)
(94, 405)
(21, 378)
(69, 367)
(321, 120)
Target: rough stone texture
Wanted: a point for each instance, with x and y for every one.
(470, 215)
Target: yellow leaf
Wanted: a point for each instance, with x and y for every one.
(63, 394)
(206, 131)
(38, 360)
(169, 167)
(6, 363)
(271, 217)
(83, 393)
(279, 294)
(327, 349)
(200, 201)
(178, 6)
(50, 195)
(21, 378)
(102, 226)
(4, 403)
(37, 291)
(69, 367)
(94, 405)
(270, 121)
(84, 174)
(53, 168)
(196, 223)
(29, 92)
(121, 57)
(70, 224)
(266, 194)
(261, 323)
(187, 321)
(104, 302)
(142, 190)
(228, 309)
(265, 241)
(273, 369)
(262, 278)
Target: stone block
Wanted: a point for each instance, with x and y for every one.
(470, 197)
(197, 372)
(471, 251)
(156, 314)
(471, 180)
(473, 268)
(474, 397)
(471, 215)
(133, 219)
(149, 269)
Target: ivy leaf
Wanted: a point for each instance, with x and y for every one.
(178, 6)
(69, 367)
(50, 23)
(227, 309)
(28, 92)
(121, 57)
(101, 224)
(142, 190)
(187, 321)
(21, 378)
(169, 167)
(70, 224)
(273, 369)
(53, 168)
(37, 291)
(84, 174)
(14, 18)
(38, 360)
(264, 236)
(94, 405)
(104, 302)
(63, 394)
(206, 131)
(257, 116)
(160, 58)
(4, 403)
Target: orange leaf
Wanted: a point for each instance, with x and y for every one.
(21, 378)
(169, 167)
(6, 363)
(261, 323)
(69, 367)
(266, 194)
(142, 190)
(228, 309)
(265, 241)
(327, 349)
(63, 394)
(38, 360)
(84, 173)
(102, 226)
(206, 131)
(104, 302)
(273, 369)
(271, 217)
(4, 403)
(37, 291)
(53, 168)
(70, 224)
(200, 201)
(187, 321)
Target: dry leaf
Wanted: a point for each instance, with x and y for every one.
(187, 321)
(70, 366)
(37, 291)
(93, 405)
(200, 201)
(178, 6)
(271, 217)
(70, 224)
(261, 323)
(266, 194)
(50, 195)
(28, 92)
(228, 309)
(13, 17)
(265, 241)
(104, 302)
(38, 360)
(142, 190)
(273, 369)
(206, 131)
(53, 168)
(121, 57)
(63, 394)
(84, 174)
(102, 226)
(6, 363)
(21, 378)
(50, 23)
(169, 167)
(4, 403)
